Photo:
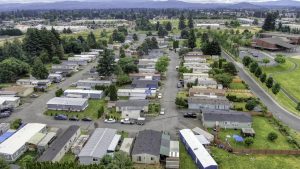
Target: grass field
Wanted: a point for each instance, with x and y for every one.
(279, 68)
(183, 94)
(238, 105)
(90, 111)
(186, 162)
(235, 85)
(68, 158)
(226, 160)
(262, 127)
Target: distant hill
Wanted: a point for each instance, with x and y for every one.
(105, 4)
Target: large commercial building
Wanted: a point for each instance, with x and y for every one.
(13, 147)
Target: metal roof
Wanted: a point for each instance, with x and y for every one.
(208, 100)
(147, 142)
(67, 101)
(279, 42)
(18, 140)
(49, 136)
(114, 143)
(59, 144)
(36, 138)
(98, 143)
(6, 135)
(206, 134)
(132, 103)
(80, 91)
(126, 145)
(199, 150)
(233, 116)
(174, 149)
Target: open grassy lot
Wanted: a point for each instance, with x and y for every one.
(226, 160)
(186, 161)
(262, 126)
(279, 68)
(97, 33)
(240, 105)
(183, 94)
(91, 111)
(68, 158)
(237, 85)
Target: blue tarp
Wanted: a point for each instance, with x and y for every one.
(238, 138)
(5, 136)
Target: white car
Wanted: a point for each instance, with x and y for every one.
(126, 121)
(162, 111)
(159, 95)
(110, 120)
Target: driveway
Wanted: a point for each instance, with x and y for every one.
(282, 114)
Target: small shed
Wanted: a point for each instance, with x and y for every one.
(46, 141)
(206, 134)
(248, 132)
(34, 141)
(126, 145)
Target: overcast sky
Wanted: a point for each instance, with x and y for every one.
(222, 1)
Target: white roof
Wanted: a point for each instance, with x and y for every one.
(47, 139)
(80, 91)
(202, 140)
(126, 145)
(18, 140)
(174, 149)
(67, 101)
(114, 143)
(132, 90)
(6, 98)
(199, 150)
(206, 134)
(93, 81)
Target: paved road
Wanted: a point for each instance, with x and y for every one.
(285, 116)
(33, 112)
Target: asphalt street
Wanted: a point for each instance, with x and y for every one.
(278, 111)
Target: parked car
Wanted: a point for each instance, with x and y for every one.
(86, 119)
(162, 111)
(110, 120)
(34, 96)
(126, 121)
(179, 85)
(159, 95)
(140, 121)
(7, 109)
(60, 117)
(4, 115)
(190, 115)
(74, 119)
(177, 67)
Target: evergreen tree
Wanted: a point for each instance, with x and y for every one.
(168, 26)
(39, 70)
(113, 93)
(162, 32)
(269, 23)
(135, 37)
(181, 24)
(253, 67)
(258, 72)
(263, 77)
(269, 82)
(122, 52)
(184, 34)
(175, 44)
(106, 64)
(91, 40)
(204, 38)
(157, 26)
(192, 39)
(190, 21)
(276, 88)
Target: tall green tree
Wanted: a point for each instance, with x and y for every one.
(270, 21)
(192, 39)
(181, 24)
(269, 82)
(113, 93)
(190, 21)
(276, 88)
(39, 70)
(11, 69)
(91, 40)
(106, 64)
(162, 32)
(168, 26)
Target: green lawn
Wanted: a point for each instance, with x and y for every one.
(183, 94)
(226, 160)
(26, 157)
(90, 111)
(238, 105)
(279, 68)
(262, 127)
(186, 161)
(68, 157)
(235, 85)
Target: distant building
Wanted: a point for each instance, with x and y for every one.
(101, 142)
(293, 38)
(138, 76)
(146, 149)
(20, 91)
(226, 119)
(67, 104)
(196, 150)
(61, 145)
(13, 147)
(273, 44)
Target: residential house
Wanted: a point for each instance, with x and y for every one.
(173, 161)
(199, 92)
(196, 150)
(207, 83)
(55, 77)
(151, 76)
(226, 119)
(80, 62)
(132, 108)
(101, 142)
(61, 145)
(92, 83)
(9, 102)
(34, 141)
(146, 149)
(67, 104)
(14, 146)
(145, 84)
(199, 103)
(21, 91)
(89, 94)
(46, 141)
(147, 70)
(91, 57)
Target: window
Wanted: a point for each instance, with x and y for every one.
(139, 158)
(152, 158)
(95, 159)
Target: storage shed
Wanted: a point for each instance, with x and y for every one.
(46, 141)
(67, 104)
(126, 145)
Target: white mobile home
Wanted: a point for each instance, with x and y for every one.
(92, 83)
(89, 94)
(9, 102)
(12, 148)
(67, 104)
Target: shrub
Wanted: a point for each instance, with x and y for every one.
(59, 92)
(251, 104)
(272, 136)
(249, 141)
